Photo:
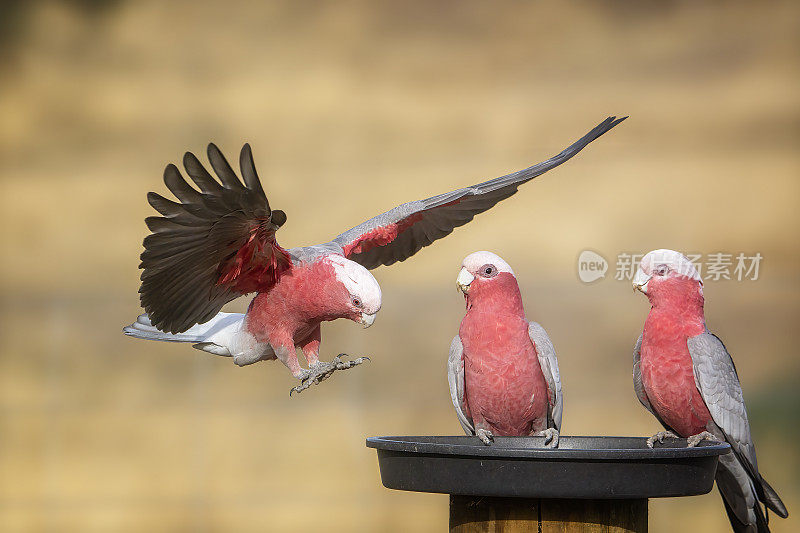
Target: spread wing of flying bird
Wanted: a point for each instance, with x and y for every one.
(218, 242)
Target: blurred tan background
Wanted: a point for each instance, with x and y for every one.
(352, 108)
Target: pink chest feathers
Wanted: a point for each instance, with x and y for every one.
(505, 389)
(303, 297)
(668, 377)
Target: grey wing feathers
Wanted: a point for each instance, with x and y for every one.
(716, 379)
(637, 376)
(549, 364)
(415, 225)
(455, 378)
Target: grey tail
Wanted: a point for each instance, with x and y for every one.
(761, 525)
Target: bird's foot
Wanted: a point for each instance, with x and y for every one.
(320, 371)
(485, 435)
(660, 436)
(550, 437)
(694, 440)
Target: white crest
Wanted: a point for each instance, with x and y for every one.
(358, 281)
(676, 261)
(474, 261)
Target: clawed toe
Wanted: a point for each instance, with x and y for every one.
(694, 440)
(659, 437)
(550, 437)
(486, 436)
(344, 365)
(321, 371)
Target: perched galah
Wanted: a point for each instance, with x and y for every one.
(685, 377)
(502, 369)
(219, 243)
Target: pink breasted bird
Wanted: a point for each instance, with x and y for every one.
(502, 369)
(685, 377)
(218, 243)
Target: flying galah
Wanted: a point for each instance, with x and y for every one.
(502, 369)
(218, 243)
(685, 377)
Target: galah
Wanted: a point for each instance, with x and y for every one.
(686, 378)
(218, 243)
(502, 369)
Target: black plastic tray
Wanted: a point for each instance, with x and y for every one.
(581, 467)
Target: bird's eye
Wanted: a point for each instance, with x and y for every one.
(661, 270)
(356, 302)
(487, 271)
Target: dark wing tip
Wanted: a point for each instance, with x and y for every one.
(154, 199)
(618, 120)
(595, 133)
(189, 158)
(249, 174)
(215, 155)
(608, 123)
(246, 158)
(170, 170)
(222, 168)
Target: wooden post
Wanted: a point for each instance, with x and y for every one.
(475, 514)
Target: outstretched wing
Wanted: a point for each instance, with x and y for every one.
(549, 365)
(716, 379)
(455, 378)
(217, 244)
(401, 232)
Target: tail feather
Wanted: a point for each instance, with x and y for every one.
(743, 496)
(212, 332)
(736, 525)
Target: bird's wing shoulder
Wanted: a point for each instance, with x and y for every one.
(455, 378)
(402, 231)
(215, 244)
(546, 353)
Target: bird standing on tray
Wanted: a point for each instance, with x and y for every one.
(685, 377)
(502, 369)
(218, 243)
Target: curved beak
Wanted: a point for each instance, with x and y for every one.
(367, 320)
(464, 280)
(640, 281)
